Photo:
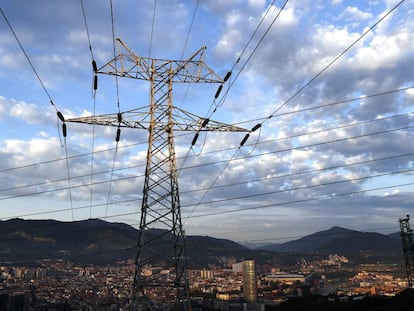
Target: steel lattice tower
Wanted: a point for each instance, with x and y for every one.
(408, 248)
(164, 244)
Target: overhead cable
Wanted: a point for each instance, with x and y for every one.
(256, 207)
(280, 114)
(228, 75)
(305, 187)
(227, 162)
(319, 198)
(28, 59)
(265, 179)
(152, 29)
(59, 114)
(329, 65)
(227, 149)
(189, 29)
(344, 101)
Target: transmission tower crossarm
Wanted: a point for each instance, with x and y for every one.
(140, 118)
(187, 121)
(130, 65)
(134, 118)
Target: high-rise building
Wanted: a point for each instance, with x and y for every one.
(249, 281)
(237, 267)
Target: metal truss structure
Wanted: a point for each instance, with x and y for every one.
(161, 240)
(408, 248)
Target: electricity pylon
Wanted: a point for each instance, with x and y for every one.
(408, 249)
(160, 209)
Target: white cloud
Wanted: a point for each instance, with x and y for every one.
(27, 112)
(287, 17)
(355, 14)
(382, 52)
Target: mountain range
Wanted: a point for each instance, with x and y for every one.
(96, 241)
(350, 243)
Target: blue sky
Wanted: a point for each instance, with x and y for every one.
(320, 160)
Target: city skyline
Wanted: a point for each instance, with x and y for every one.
(328, 83)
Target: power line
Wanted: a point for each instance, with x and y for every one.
(189, 29)
(185, 46)
(226, 161)
(152, 28)
(69, 189)
(287, 175)
(254, 34)
(281, 114)
(78, 156)
(215, 151)
(322, 197)
(87, 29)
(195, 206)
(83, 207)
(223, 98)
(259, 42)
(278, 204)
(199, 189)
(334, 60)
(215, 187)
(70, 157)
(119, 109)
(95, 84)
(339, 127)
(273, 114)
(110, 184)
(59, 114)
(259, 125)
(314, 145)
(114, 54)
(229, 73)
(313, 171)
(199, 203)
(306, 187)
(331, 104)
(28, 59)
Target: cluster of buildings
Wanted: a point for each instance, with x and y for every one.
(333, 262)
(59, 284)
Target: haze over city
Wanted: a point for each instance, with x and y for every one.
(330, 83)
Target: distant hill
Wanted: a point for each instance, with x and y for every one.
(310, 242)
(83, 241)
(395, 235)
(357, 245)
(98, 242)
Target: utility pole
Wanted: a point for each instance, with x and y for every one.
(161, 239)
(408, 248)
